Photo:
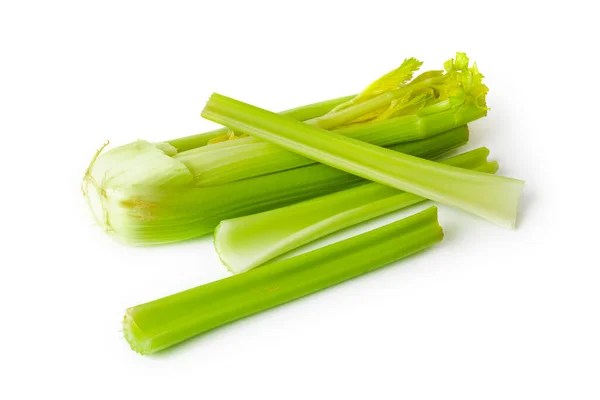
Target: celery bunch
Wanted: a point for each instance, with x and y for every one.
(270, 183)
(153, 193)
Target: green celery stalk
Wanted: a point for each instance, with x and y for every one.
(491, 197)
(393, 113)
(246, 242)
(149, 215)
(162, 323)
(247, 157)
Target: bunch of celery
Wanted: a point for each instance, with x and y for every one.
(271, 183)
(153, 193)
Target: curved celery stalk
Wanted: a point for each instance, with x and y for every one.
(491, 197)
(165, 210)
(246, 242)
(302, 113)
(159, 324)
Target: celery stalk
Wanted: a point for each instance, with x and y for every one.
(491, 197)
(247, 242)
(245, 158)
(146, 215)
(162, 323)
(391, 112)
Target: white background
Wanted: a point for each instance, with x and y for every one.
(487, 314)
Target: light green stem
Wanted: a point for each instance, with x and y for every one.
(249, 157)
(489, 196)
(247, 242)
(162, 323)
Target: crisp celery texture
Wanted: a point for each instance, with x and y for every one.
(162, 323)
(153, 193)
(148, 214)
(247, 242)
(491, 197)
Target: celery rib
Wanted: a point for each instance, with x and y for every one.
(488, 196)
(246, 242)
(387, 112)
(162, 323)
(222, 163)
